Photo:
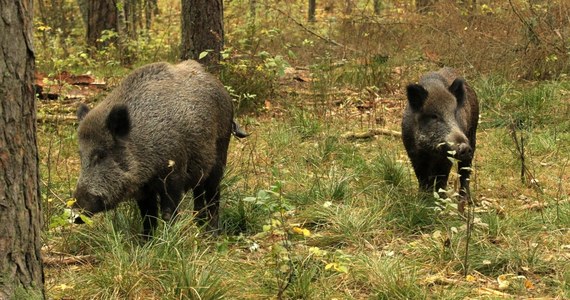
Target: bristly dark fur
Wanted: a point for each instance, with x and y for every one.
(164, 130)
(441, 117)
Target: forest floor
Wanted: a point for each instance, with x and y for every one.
(320, 202)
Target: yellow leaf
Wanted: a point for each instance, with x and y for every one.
(303, 231)
(503, 281)
(470, 278)
(337, 267)
(528, 284)
(284, 268)
(341, 269)
(64, 286)
(436, 234)
(70, 202)
(317, 251)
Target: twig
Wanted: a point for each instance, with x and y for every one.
(520, 149)
(328, 40)
(370, 133)
(60, 259)
(525, 23)
(525, 172)
(470, 220)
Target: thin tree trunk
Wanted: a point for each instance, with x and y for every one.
(348, 6)
(377, 7)
(312, 10)
(202, 30)
(251, 25)
(21, 272)
(150, 10)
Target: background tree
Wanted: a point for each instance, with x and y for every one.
(202, 30)
(312, 9)
(377, 6)
(101, 15)
(348, 6)
(21, 273)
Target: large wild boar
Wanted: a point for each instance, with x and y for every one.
(164, 130)
(441, 117)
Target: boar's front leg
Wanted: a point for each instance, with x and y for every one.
(431, 173)
(464, 173)
(148, 206)
(171, 193)
(439, 174)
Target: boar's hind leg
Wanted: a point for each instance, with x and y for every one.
(207, 199)
(147, 202)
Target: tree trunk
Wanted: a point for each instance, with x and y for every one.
(101, 15)
(312, 9)
(202, 30)
(348, 6)
(150, 10)
(377, 7)
(21, 272)
(251, 25)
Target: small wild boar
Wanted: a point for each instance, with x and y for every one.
(164, 130)
(441, 116)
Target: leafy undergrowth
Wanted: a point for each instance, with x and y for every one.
(308, 213)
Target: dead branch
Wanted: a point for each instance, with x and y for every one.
(370, 133)
(59, 260)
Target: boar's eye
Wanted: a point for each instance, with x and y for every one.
(97, 156)
(431, 117)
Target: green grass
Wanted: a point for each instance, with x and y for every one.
(369, 233)
(309, 214)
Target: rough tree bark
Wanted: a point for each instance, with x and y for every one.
(202, 30)
(101, 15)
(21, 272)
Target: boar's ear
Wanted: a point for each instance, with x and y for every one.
(82, 111)
(457, 88)
(417, 95)
(118, 121)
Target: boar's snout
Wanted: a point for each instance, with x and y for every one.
(459, 143)
(87, 203)
(464, 152)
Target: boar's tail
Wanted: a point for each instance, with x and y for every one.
(237, 131)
